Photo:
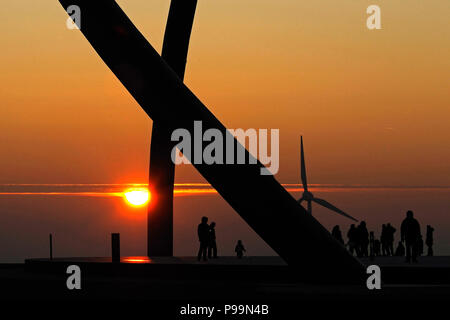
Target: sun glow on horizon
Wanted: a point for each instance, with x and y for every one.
(137, 197)
(136, 260)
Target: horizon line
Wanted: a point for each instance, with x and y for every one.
(200, 184)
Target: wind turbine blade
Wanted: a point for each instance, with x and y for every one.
(328, 205)
(303, 166)
(300, 200)
(309, 207)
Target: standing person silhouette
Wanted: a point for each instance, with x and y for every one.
(410, 233)
(372, 245)
(377, 247)
(363, 239)
(212, 247)
(203, 237)
(390, 230)
(352, 236)
(383, 239)
(239, 249)
(336, 233)
(429, 240)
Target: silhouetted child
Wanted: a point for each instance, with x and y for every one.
(239, 249)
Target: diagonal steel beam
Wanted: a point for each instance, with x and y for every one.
(259, 199)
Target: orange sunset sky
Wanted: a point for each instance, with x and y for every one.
(373, 106)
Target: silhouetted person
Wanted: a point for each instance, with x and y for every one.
(212, 247)
(336, 233)
(384, 244)
(429, 240)
(239, 249)
(363, 239)
(352, 236)
(410, 232)
(390, 230)
(371, 245)
(377, 247)
(400, 252)
(203, 237)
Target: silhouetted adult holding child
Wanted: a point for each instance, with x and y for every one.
(429, 240)
(239, 249)
(363, 239)
(410, 233)
(212, 247)
(352, 243)
(203, 237)
(337, 234)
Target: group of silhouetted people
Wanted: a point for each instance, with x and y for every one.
(207, 237)
(208, 247)
(363, 243)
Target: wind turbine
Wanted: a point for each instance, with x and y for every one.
(308, 196)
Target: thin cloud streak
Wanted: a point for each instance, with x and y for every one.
(181, 189)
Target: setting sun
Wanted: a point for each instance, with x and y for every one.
(137, 197)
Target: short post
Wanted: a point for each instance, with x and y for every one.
(51, 246)
(115, 246)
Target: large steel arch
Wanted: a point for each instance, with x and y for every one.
(259, 199)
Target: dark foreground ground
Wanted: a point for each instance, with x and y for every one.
(170, 284)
